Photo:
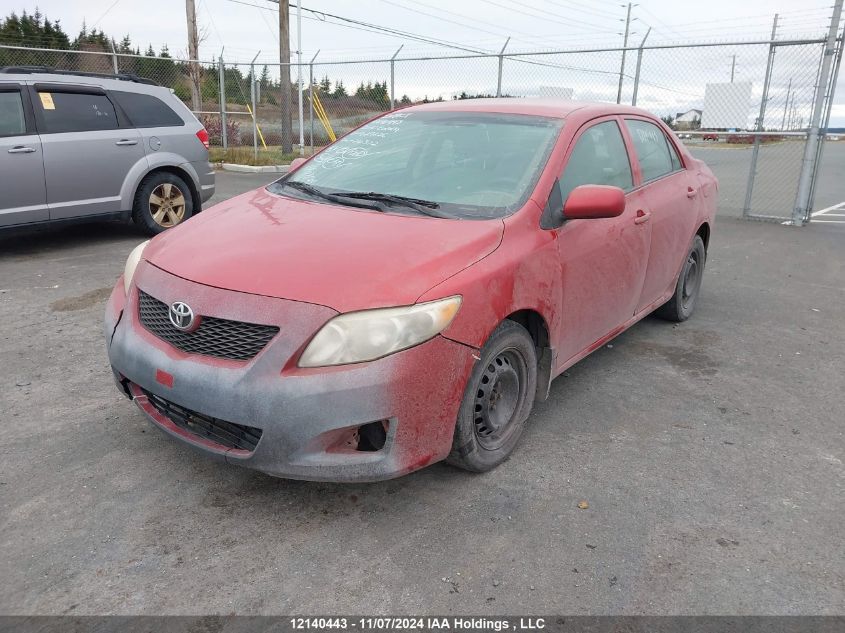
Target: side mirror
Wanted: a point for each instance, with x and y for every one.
(296, 162)
(594, 201)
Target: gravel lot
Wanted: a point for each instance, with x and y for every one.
(710, 455)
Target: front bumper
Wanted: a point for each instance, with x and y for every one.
(306, 416)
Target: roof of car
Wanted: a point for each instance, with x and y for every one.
(550, 107)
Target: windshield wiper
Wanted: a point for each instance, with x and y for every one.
(311, 190)
(426, 207)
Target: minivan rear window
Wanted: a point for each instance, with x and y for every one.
(146, 110)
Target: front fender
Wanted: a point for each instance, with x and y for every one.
(522, 274)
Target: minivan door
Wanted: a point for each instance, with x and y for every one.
(88, 149)
(24, 198)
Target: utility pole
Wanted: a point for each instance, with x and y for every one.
(299, 73)
(733, 68)
(786, 104)
(284, 72)
(193, 55)
(624, 46)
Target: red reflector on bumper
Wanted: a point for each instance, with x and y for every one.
(163, 378)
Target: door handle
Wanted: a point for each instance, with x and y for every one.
(642, 217)
(691, 193)
(21, 149)
(126, 141)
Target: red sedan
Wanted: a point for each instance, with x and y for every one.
(407, 294)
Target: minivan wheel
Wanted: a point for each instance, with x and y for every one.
(162, 201)
(680, 306)
(497, 401)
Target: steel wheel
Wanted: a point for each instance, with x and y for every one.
(167, 205)
(500, 395)
(691, 280)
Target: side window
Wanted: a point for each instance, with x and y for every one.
(676, 161)
(146, 110)
(12, 122)
(652, 149)
(75, 112)
(599, 158)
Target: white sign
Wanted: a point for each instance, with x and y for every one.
(559, 92)
(727, 105)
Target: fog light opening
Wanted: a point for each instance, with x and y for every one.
(372, 436)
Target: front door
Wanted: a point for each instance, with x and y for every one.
(23, 197)
(603, 261)
(88, 152)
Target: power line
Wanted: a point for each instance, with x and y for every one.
(544, 15)
(105, 13)
(436, 17)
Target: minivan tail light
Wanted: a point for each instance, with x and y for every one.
(202, 135)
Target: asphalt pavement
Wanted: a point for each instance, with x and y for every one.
(710, 455)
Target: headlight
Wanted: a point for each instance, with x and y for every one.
(132, 263)
(360, 336)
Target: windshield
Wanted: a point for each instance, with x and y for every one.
(464, 164)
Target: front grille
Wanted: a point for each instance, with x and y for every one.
(226, 434)
(221, 338)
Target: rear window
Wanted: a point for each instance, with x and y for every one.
(146, 110)
(12, 122)
(76, 112)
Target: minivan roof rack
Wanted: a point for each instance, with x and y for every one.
(28, 70)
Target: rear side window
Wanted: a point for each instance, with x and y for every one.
(676, 162)
(12, 122)
(75, 112)
(653, 150)
(599, 158)
(146, 110)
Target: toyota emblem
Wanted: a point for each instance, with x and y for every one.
(182, 317)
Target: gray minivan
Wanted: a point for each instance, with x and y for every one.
(77, 146)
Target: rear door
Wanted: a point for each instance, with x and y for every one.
(603, 261)
(671, 195)
(88, 147)
(23, 197)
(161, 129)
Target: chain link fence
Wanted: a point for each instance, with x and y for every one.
(744, 107)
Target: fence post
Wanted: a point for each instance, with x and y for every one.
(801, 210)
(764, 99)
(501, 65)
(639, 65)
(114, 57)
(311, 98)
(832, 89)
(393, 77)
(224, 132)
(254, 110)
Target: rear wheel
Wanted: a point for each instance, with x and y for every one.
(680, 306)
(162, 201)
(497, 401)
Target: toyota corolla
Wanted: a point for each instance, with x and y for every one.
(407, 294)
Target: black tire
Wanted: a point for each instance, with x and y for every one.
(497, 401)
(681, 305)
(169, 188)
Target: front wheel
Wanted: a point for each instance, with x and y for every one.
(680, 306)
(497, 401)
(162, 201)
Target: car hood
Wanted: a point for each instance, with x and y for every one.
(343, 258)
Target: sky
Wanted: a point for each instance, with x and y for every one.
(245, 28)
